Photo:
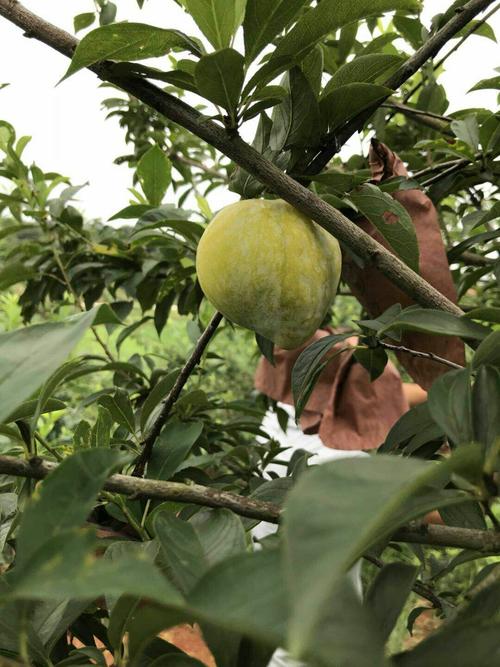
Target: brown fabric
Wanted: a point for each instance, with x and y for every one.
(346, 410)
(376, 293)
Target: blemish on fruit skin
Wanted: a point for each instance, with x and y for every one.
(268, 268)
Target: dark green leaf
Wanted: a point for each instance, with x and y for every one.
(127, 41)
(120, 409)
(264, 20)
(30, 408)
(388, 593)
(436, 322)
(309, 366)
(363, 69)
(100, 434)
(487, 84)
(391, 219)
(159, 391)
(337, 511)
(348, 101)
(219, 78)
(153, 172)
(266, 347)
(13, 273)
(172, 447)
(220, 533)
(65, 499)
(373, 359)
(488, 351)
(450, 405)
(486, 406)
(467, 130)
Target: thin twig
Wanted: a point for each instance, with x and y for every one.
(431, 47)
(474, 28)
(411, 111)
(418, 587)
(192, 361)
(443, 174)
(422, 355)
(485, 541)
(249, 159)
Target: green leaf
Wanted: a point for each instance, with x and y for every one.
(467, 130)
(264, 20)
(65, 567)
(348, 101)
(414, 422)
(486, 407)
(153, 172)
(82, 21)
(363, 69)
(221, 534)
(428, 320)
(302, 115)
(30, 355)
(108, 14)
(30, 408)
(65, 499)
(488, 351)
(328, 16)
(487, 84)
(13, 273)
(218, 20)
(391, 219)
(100, 434)
(219, 77)
(373, 359)
(172, 447)
(257, 605)
(127, 41)
(120, 408)
(309, 367)
(337, 511)
(182, 557)
(450, 405)
(388, 593)
(266, 348)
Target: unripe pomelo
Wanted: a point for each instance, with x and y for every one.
(267, 267)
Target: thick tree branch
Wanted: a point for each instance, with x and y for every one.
(473, 29)
(192, 361)
(246, 157)
(431, 47)
(487, 542)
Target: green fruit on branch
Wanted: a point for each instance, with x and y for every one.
(267, 267)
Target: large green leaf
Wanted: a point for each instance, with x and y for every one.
(127, 41)
(363, 69)
(66, 567)
(66, 498)
(488, 351)
(30, 355)
(264, 19)
(220, 533)
(219, 77)
(450, 405)
(257, 603)
(153, 172)
(388, 593)
(328, 16)
(428, 320)
(218, 20)
(337, 511)
(486, 406)
(14, 272)
(172, 447)
(182, 557)
(346, 102)
(390, 218)
(296, 122)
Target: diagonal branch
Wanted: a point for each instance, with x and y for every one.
(246, 157)
(485, 541)
(422, 355)
(191, 363)
(431, 47)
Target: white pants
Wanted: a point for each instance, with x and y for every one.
(294, 439)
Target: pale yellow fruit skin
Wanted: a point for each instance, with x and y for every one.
(267, 267)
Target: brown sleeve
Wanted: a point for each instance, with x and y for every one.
(347, 410)
(376, 293)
